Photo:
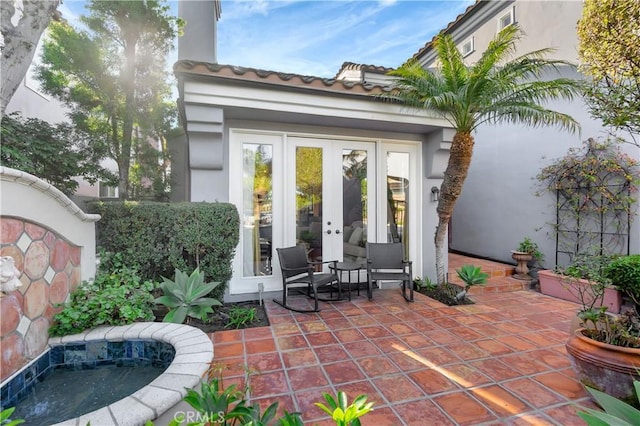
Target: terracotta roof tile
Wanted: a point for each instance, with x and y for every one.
(273, 77)
(459, 19)
(363, 67)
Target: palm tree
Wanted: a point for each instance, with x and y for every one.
(496, 89)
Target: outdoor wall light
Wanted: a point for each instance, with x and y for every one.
(435, 193)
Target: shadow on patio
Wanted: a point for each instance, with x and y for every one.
(500, 361)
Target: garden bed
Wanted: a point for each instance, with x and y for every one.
(446, 294)
(221, 318)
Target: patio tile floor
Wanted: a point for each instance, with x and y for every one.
(500, 361)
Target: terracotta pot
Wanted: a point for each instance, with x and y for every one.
(608, 368)
(556, 285)
(522, 270)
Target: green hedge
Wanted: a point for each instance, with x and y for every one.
(624, 272)
(157, 238)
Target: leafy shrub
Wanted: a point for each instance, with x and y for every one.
(529, 246)
(158, 238)
(118, 297)
(185, 297)
(624, 273)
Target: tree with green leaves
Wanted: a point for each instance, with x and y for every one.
(112, 75)
(498, 88)
(55, 153)
(21, 25)
(609, 33)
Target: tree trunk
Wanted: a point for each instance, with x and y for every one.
(128, 80)
(20, 41)
(454, 177)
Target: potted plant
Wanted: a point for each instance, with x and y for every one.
(526, 254)
(605, 352)
(584, 282)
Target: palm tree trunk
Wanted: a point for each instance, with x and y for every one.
(454, 177)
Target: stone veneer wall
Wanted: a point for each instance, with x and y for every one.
(53, 245)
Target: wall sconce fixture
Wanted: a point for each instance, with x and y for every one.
(435, 193)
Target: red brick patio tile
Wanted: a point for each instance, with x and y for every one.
(376, 366)
(260, 346)
(432, 382)
(363, 320)
(343, 372)
(466, 351)
(314, 327)
(500, 401)
(307, 378)
(398, 388)
(563, 385)
(375, 332)
(268, 384)
(416, 413)
(533, 393)
(362, 387)
(551, 358)
(330, 353)
(493, 347)
(299, 358)
(228, 350)
(466, 376)
(464, 409)
(406, 362)
(529, 419)
(466, 333)
(258, 333)
(321, 339)
(437, 356)
(227, 336)
(524, 363)
(292, 342)
(444, 337)
(495, 369)
(417, 341)
(516, 343)
(285, 329)
(265, 362)
(349, 335)
(361, 348)
(389, 345)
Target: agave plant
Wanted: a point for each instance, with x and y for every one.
(470, 275)
(616, 412)
(185, 297)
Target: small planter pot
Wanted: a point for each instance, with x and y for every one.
(522, 259)
(608, 368)
(556, 285)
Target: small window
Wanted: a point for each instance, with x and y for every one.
(507, 19)
(466, 48)
(107, 191)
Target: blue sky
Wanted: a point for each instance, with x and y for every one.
(316, 37)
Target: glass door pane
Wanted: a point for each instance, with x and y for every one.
(398, 167)
(309, 179)
(257, 212)
(354, 204)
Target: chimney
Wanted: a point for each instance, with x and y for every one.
(198, 43)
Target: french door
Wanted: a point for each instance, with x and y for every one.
(330, 194)
(331, 197)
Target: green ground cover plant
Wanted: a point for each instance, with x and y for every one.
(158, 238)
(118, 296)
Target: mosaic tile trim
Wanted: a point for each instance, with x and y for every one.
(186, 352)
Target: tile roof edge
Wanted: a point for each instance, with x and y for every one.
(275, 77)
(471, 9)
(363, 67)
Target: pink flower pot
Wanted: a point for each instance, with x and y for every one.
(559, 286)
